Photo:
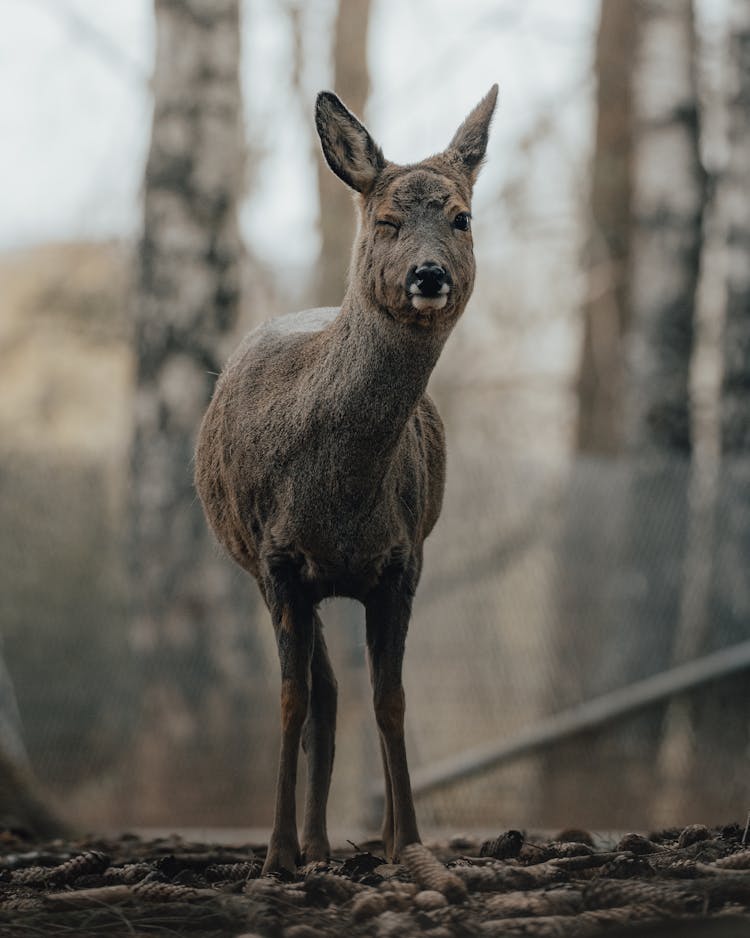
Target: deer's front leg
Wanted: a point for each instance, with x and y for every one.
(293, 622)
(386, 830)
(388, 609)
(318, 741)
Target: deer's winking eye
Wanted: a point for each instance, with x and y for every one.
(391, 226)
(462, 221)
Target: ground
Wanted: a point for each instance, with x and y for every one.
(692, 882)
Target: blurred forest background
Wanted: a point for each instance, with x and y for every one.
(163, 193)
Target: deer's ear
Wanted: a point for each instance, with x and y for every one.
(348, 148)
(469, 143)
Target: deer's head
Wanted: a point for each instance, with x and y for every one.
(413, 258)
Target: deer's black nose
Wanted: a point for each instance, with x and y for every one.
(429, 279)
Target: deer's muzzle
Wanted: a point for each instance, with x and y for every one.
(428, 286)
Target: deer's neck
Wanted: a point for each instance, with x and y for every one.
(375, 372)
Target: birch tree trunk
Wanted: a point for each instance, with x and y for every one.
(722, 711)
(735, 411)
(668, 199)
(351, 80)
(192, 625)
(624, 538)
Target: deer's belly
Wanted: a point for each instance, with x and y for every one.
(338, 555)
(351, 576)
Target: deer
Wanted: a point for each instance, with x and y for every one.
(320, 461)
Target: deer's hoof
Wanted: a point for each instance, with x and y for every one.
(316, 848)
(281, 858)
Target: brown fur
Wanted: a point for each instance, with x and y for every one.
(321, 460)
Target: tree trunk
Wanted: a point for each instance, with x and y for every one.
(735, 411)
(668, 200)
(721, 713)
(606, 314)
(582, 600)
(624, 538)
(21, 804)
(351, 80)
(191, 629)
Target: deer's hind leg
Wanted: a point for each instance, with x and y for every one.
(387, 829)
(293, 618)
(318, 741)
(388, 609)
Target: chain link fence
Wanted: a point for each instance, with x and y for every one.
(547, 584)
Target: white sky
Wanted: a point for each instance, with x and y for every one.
(75, 106)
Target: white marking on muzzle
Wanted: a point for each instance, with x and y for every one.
(429, 302)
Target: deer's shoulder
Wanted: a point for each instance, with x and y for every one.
(282, 331)
(276, 350)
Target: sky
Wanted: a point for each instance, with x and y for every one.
(74, 115)
(75, 103)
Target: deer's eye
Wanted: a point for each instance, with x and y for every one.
(462, 221)
(392, 225)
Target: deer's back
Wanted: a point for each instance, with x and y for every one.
(282, 474)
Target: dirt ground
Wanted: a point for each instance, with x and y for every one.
(693, 882)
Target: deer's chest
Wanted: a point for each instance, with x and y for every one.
(343, 524)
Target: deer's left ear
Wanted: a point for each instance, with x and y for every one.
(470, 141)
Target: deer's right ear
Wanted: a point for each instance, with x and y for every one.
(348, 148)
